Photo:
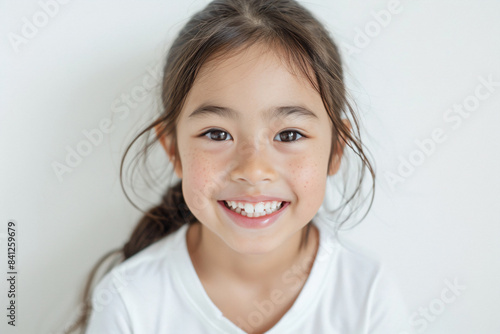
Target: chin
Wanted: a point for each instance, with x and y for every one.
(247, 245)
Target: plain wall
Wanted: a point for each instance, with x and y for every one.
(435, 218)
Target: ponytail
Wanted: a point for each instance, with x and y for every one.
(160, 221)
(166, 218)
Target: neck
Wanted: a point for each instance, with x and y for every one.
(215, 261)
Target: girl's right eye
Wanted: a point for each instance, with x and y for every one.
(216, 135)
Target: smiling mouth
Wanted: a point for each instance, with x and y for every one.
(256, 210)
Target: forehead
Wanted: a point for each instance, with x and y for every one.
(252, 80)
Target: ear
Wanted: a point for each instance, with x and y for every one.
(339, 151)
(168, 143)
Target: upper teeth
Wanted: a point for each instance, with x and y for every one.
(257, 208)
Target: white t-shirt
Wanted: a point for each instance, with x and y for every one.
(158, 291)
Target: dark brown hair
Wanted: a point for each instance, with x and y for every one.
(221, 28)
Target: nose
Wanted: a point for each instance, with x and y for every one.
(253, 166)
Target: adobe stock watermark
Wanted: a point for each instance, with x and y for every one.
(92, 138)
(101, 298)
(425, 315)
(452, 117)
(31, 26)
(373, 28)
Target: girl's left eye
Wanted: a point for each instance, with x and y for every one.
(289, 136)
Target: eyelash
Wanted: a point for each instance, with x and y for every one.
(215, 130)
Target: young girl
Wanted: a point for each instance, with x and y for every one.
(253, 123)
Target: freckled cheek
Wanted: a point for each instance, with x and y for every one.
(308, 178)
(202, 174)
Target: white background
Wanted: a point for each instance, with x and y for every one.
(440, 223)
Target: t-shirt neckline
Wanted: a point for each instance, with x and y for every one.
(191, 288)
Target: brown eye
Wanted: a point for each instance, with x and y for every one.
(289, 136)
(217, 135)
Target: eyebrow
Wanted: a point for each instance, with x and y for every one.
(272, 113)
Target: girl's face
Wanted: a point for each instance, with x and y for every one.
(251, 150)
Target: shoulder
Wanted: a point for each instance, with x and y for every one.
(117, 297)
(365, 270)
(148, 263)
(372, 284)
(366, 273)
(357, 273)
(365, 289)
(346, 259)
